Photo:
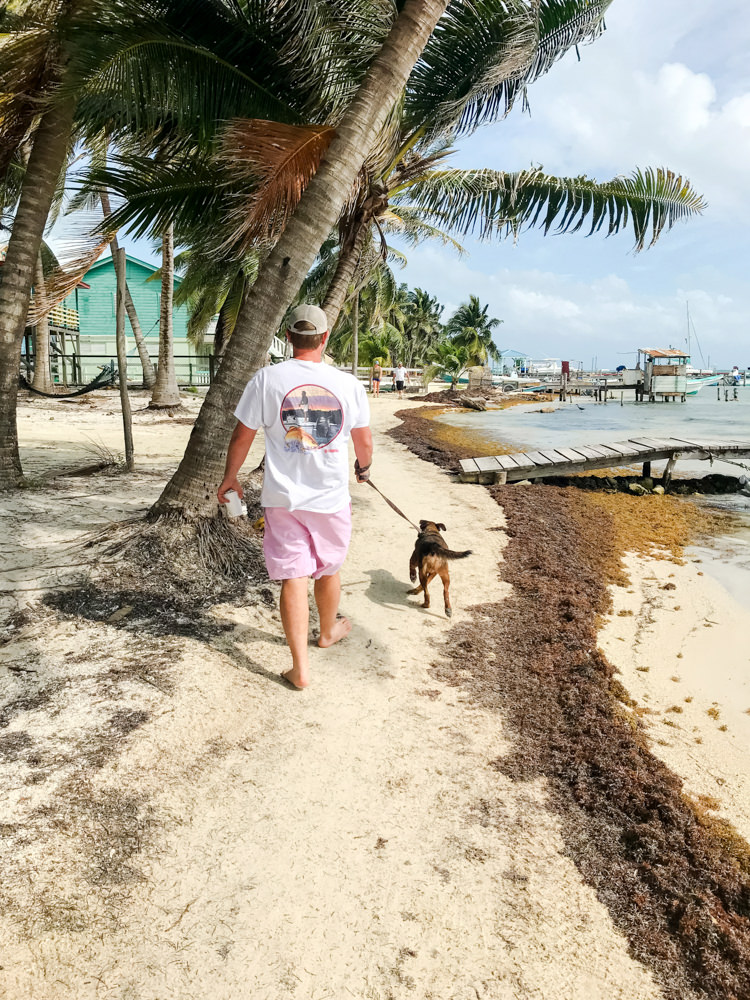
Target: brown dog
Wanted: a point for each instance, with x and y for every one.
(430, 559)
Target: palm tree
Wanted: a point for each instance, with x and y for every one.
(149, 376)
(73, 68)
(447, 358)
(42, 375)
(166, 393)
(471, 327)
(422, 327)
(479, 61)
(291, 258)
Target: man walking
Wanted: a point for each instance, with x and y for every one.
(399, 378)
(308, 411)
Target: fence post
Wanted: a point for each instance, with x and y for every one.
(190, 372)
(210, 369)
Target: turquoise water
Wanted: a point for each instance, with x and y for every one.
(585, 421)
(703, 416)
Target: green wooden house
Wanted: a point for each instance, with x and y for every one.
(82, 328)
(95, 302)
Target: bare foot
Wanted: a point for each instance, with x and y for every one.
(341, 627)
(295, 680)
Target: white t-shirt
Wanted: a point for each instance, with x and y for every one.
(307, 410)
(400, 374)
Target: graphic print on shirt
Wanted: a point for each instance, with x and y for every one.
(312, 417)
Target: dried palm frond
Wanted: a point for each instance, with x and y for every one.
(275, 163)
(78, 255)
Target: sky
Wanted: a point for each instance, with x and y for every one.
(667, 84)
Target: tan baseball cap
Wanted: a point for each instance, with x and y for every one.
(307, 314)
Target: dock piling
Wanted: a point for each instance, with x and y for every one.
(666, 478)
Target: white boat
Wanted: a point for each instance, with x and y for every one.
(695, 384)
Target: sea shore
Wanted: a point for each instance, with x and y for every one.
(596, 616)
(474, 807)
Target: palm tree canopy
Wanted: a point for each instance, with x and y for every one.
(471, 328)
(484, 55)
(447, 358)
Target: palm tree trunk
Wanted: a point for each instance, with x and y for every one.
(220, 333)
(42, 174)
(192, 489)
(166, 392)
(42, 375)
(347, 264)
(149, 375)
(355, 333)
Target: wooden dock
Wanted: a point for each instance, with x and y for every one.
(585, 458)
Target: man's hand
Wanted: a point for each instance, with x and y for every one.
(362, 441)
(230, 483)
(239, 446)
(361, 473)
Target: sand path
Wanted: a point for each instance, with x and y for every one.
(353, 840)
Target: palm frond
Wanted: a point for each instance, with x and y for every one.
(154, 194)
(278, 160)
(77, 256)
(409, 225)
(485, 54)
(489, 203)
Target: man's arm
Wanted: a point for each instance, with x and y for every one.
(239, 446)
(362, 441)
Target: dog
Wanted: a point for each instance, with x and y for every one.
(430, 559)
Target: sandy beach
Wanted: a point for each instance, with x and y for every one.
(178, 823)
(680, 642)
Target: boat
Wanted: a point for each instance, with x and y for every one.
(695, 384)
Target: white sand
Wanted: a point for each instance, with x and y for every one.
(688, 649)
(349, 841)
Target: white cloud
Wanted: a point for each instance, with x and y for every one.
(552, 314)
(666, 85)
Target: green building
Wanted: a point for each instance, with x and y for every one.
(95, 302)
(82, 328)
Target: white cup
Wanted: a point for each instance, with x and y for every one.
(234, 506)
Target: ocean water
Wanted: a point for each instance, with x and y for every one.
(584, 421)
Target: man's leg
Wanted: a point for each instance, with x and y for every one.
(327, 595)
(295, 615)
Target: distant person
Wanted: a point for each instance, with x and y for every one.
(399, 379)
(305, 496)
(376, 374)
(736, 374)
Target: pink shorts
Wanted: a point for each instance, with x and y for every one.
(305, 542)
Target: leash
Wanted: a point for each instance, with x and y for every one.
(392, 505)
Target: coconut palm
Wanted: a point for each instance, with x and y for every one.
(422, 327)
(477, 63)
(166, 392)
(471, 327)
(170, 71)
(449, 359)
(287, 264)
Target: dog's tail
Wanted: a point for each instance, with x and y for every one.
(450, 554)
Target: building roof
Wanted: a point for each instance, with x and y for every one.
(659, 352)
(106, 260)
